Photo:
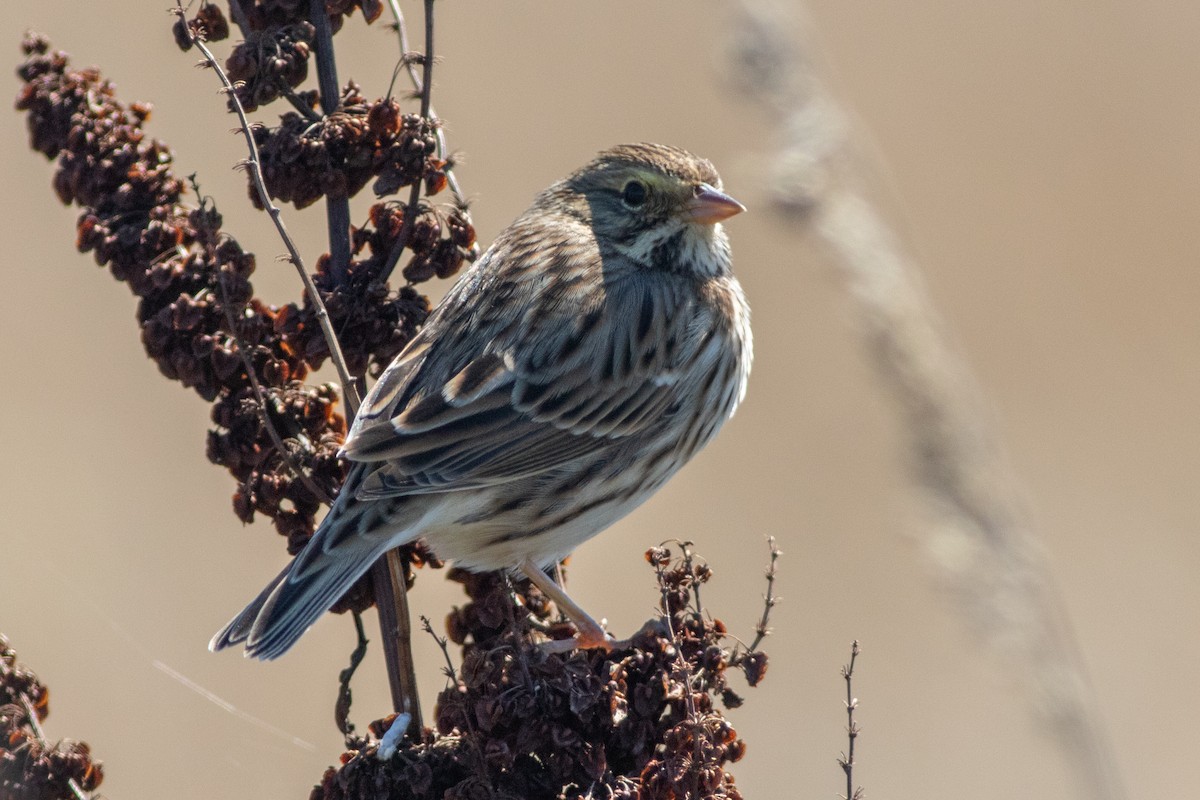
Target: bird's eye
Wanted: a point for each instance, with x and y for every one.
(634, 194)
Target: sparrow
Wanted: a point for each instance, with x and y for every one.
(596, 346)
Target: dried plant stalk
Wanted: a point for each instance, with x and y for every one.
(979, 531)
(31, 767)
(641, 720)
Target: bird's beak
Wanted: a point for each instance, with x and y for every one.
(709, 206)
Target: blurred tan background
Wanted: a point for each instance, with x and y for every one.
(1042, 162)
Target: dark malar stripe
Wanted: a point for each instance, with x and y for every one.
(665, 255)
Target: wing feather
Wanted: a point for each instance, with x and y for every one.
(478, 399)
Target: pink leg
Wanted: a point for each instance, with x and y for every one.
(590, 633)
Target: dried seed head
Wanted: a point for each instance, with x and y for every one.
(519, 723)
(200, 321)
(29, 766)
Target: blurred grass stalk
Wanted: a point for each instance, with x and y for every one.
(977, 527)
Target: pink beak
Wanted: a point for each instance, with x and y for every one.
(709, 206)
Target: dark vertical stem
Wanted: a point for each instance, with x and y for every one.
(337, 209)
(239, 16)
(427, 64)
(391, 600)
(390, 590)
(337, 213)
(314, 295)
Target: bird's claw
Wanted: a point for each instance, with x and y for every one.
(587, 638)
(598, 639)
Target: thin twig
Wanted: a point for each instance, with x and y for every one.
(349, 391)
(443, 644)
(251, 374)
(341, 713)
(410, 215)
(680, 670)
(414, 195)
(303, 108)
(685, 546)
(515, 599)
(337, 209)
(40, 735)
(689, 560)
(419, 87)
(427, 63)
(762, 631)
(847, 759)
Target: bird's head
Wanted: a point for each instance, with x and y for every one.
(658, 206)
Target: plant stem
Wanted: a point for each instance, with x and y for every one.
(395, 625)
(391, 591)
(419, 87)
(337, 209)
(349, 392)
(414, 196)
(763, 630)
(847, 761)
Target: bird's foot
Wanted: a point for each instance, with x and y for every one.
(588, 637)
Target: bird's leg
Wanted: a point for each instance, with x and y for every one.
(589, 635)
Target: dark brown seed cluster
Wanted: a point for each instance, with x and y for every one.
(335, 156)
(310, 429)
(272, 62)
(375, 322)
(261, 14)
(440, 241)
(515, 722)
(200, 320)
(192, 279)
(489, 616)
(378, 322)
(273, 58)
(30, 768)
(208, 24)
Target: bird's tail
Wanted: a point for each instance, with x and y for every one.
(353, 535)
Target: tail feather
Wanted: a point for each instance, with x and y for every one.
(239, 627)
(348, 542)
(294, 605)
